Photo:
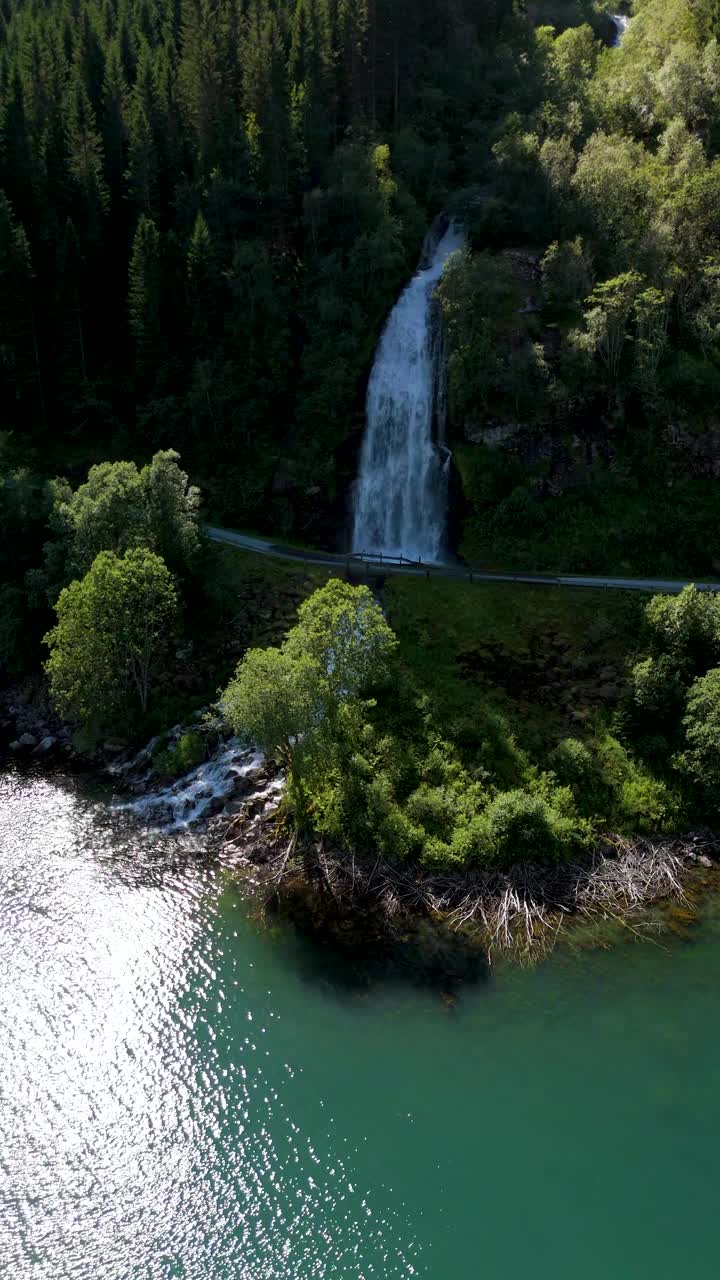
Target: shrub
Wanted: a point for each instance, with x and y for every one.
(574, 764)
(188, 752)
(526, 828)
(687, 628)
(645, 802)
(433, 808)
(393, 833)
(701, 758)
(656, 686)
(471, 840)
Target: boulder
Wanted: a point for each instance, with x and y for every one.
(45, 745)
(26, 741)
(113, 746)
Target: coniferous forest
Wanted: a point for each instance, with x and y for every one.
(208, 208)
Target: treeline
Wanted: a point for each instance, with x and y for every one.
(206, 210)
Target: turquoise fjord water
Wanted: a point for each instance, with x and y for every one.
(183, 1095)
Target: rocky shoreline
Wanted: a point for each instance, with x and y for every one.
(29, 726)
(645, 886)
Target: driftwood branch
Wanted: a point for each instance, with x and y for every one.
(522, 909)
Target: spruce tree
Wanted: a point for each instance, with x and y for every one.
(202, 284)
(114, 130)
(144, 297)
(19, 366)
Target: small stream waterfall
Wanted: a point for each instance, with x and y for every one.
(620, 22)
(401, 495)
(233, 777)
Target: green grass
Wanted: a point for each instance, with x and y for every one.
(643, 515)
(552, 661)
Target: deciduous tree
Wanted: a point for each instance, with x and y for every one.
(114, 627)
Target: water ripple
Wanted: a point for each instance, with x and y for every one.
(150, 1123)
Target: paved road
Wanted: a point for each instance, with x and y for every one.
(372, 566)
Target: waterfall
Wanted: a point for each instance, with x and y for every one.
(620, 22)
(232, 775)
(401, 494)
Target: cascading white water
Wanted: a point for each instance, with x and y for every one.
(620, 22)
(232, 772)
(401, 495)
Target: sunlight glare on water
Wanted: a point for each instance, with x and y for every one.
(151, 1125)
(184, 1093)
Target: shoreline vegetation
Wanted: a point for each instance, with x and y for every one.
(513, 672)
(647, 889)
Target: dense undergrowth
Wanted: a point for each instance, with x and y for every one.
(510, 724)
(582, 322)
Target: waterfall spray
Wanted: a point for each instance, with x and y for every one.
(401, 495)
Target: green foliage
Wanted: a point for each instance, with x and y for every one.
(480, 302)
(701, 757)
(114, 627)
(187, 753)
(23, 513)
(120, 507)
(687, 628)
(567, 274)
(657, 686)
(145, 295)
(294, 703)
(523, 827)
(276, 701)
(574, 765)
(344, 631)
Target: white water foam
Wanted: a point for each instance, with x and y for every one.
(401, 495)
(620, 22)
(207, 789)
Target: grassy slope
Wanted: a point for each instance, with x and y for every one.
(503, 672)
(644, 516)
(551, 661)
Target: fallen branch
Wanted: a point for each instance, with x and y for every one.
(522, 910)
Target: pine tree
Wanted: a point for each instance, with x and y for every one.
(353, 90)
(169, 138)
(207, 85)
(144, 297)
(86, 161)
(114, 107)
(70, 313)
(202, 284)
(142, 172)
(19, 365)
(18, 166)
(88, 57)
(310, 72)
(266, 101)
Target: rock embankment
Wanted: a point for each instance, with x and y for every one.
(29, 726)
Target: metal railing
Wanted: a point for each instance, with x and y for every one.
(381, 557)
